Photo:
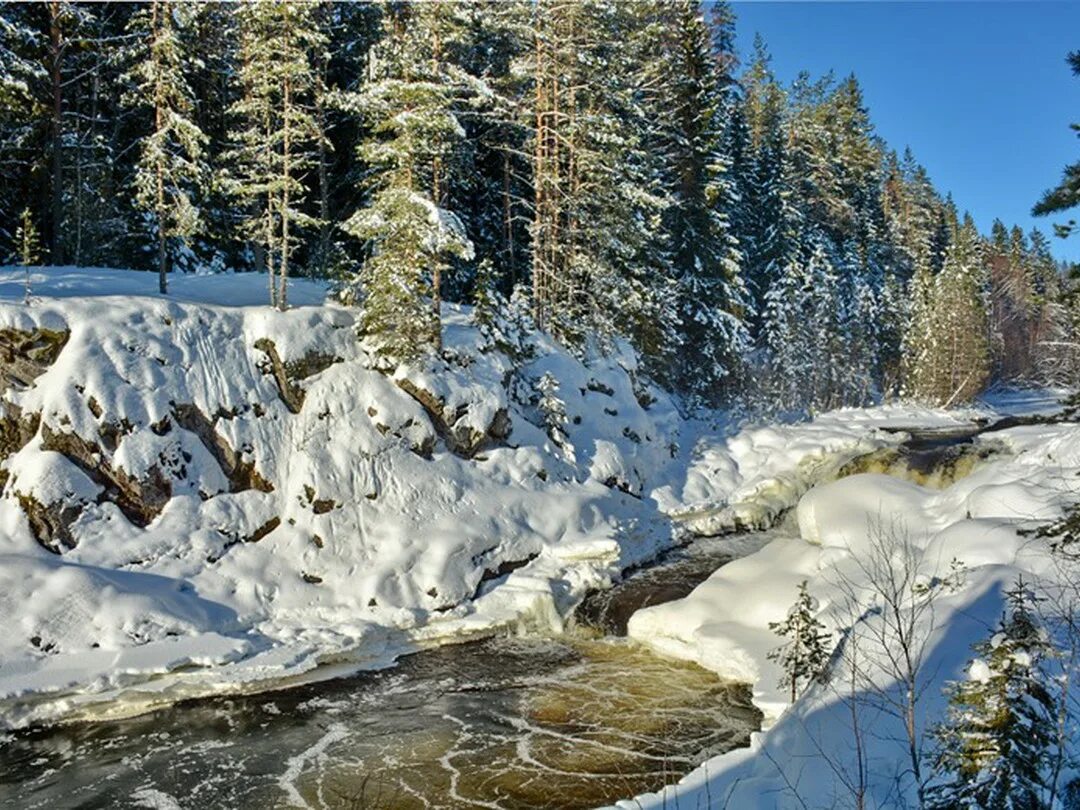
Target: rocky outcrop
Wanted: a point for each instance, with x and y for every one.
(27, 354)
(139, 499)
(241, 472)
(460, 436)
(287, 375)
(51, 523)
(16, 429)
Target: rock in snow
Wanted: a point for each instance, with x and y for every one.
(203, 495)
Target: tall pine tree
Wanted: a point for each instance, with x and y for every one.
(414, 144)
(276, 132)
(170, 170)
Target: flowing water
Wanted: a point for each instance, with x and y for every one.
(930, 458)
(574, 721)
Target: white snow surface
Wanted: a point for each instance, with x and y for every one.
(382, 547)
(379, 549)
(806, 757)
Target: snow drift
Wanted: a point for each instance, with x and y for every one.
(955, 550)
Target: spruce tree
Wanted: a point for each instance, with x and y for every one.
(804, 657)
(552, 408)
(803, 329)
(413, 148)
(697, 96)
(767, 222)
(995, 746)
(170, 169)
(953, 363)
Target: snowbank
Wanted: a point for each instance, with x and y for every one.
(204, 495)
(963, 544)
(747, 480)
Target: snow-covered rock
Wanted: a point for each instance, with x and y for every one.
(960, 547)
(202, 494)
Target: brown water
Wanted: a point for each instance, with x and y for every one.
(565, 722)
(930, 458)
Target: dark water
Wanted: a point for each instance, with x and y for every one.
(679, 572)
(515, 723)
(932, 457)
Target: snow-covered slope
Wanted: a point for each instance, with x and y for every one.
(232, 495)
(201, 494)
(953, 551)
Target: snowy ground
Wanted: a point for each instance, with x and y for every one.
(281, 545)
(807, 758)
(334, 523)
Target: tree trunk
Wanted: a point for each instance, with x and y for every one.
(283, 301)
(163, 284)
(436, 274)
(56, 46)
(508, 223)
(538, 179)
(325, 226)
(436, 196)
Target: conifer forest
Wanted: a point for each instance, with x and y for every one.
(610, 169)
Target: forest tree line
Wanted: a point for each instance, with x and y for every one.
(608, 170)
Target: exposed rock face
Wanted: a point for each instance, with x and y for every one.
(16, 429)
(461, 437)
(241, 473)
(140, 499)
(26, 355)
(287, 375)
(51, 523)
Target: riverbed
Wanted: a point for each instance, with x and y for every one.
(576, 720)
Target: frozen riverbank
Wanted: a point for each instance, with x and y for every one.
(202, 495)
(946, 555)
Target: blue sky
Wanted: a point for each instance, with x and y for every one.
(979, 90)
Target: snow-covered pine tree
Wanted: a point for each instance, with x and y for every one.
(922, 235)
(696, 92)
(858, 360)
(995, 746)
(893, 315)
(413, 147)
(804, 656)
(802, 329)
(552, 408)
(854, 154)
(954, 363)
(767, 221)
(171, 168)
(275, 133)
